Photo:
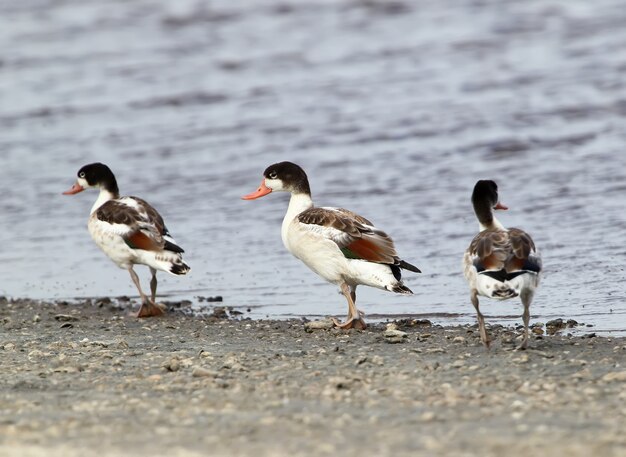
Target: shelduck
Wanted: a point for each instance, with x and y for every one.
(500, 263)
(340, 246)
(130, 232)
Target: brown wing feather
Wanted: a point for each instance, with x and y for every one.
(521, 243)
(498, 249)
(367, 250)
(115, 212)
(145, 223)
(360, 219)
(358, 234)
(139, 240)
(491, 247)
(329, 218)
(522, 247)
(152, 215)
(382, 246)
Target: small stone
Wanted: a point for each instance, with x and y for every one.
(172, 365)
(199, 372)
(395, 339)
(615, 376)
(341, 382)
(458, 339)
(458, 364)
(34, 354)
(36, 318)
(232, 363)
(122, 344)
(378, 360)
(422, 323)
(522, 359)
(394, 335)
(219, 312)
(65, 318)
(428, 416)
(555, 325)
(582, 374)
(324, 324)
(100, 344)
(361, 360)
(222, 383)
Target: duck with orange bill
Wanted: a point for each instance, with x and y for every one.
(340, 246)
(130, 232)
(500, 263)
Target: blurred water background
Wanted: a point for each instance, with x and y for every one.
(393, 107)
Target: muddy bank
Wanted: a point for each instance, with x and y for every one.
(91, 380)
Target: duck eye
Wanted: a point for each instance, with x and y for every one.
(81, 174)
(273, 175)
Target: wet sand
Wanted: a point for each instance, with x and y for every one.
(91, 380)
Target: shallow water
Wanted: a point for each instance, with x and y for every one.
(394, 108)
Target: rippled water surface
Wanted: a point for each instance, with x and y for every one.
(395, 108)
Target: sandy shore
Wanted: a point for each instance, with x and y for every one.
(89, 380)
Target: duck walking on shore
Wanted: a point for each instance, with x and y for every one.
(129, 231)
(339, 245)
(499, 263)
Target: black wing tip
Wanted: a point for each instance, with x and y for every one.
(408, 266)
(400, 288)
(169, 246)
(180, 268)
(533, 263)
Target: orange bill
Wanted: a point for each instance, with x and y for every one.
(76, 188)
(260, 192)
(500, 206)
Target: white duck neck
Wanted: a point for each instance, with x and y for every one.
(103, 197)
(297, 203)
(495, 224)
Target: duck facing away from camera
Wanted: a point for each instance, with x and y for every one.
(499, 263)
(339, 245)
(129, 231)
